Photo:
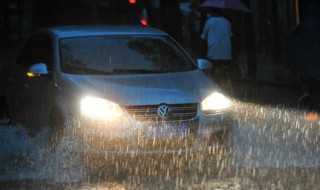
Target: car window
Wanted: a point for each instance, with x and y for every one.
(38, 49)
(122, 55)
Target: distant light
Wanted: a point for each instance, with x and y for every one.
(144, 22)
(312, 116)
(132, 1)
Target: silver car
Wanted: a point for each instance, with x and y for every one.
(119, 89)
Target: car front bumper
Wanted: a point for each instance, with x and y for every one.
(130, 137)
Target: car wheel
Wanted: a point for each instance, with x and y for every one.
(5, 117)
(57, 128)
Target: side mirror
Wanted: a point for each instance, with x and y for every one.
(204, 64)
(37, 69)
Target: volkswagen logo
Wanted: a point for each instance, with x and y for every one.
(163, 111)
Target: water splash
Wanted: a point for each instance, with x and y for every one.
(26, 158)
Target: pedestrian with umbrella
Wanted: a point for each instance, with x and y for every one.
(217, 33)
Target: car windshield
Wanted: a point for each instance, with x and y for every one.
(97, 55)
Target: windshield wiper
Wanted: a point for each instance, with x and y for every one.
(89, 71)
(84, 70)
(136, 71)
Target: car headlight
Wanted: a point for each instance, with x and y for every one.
(98, 108)
(215, 102)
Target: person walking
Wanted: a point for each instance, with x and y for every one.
(217, 33)
(305, 49)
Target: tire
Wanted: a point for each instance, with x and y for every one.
(5, 116)
(57, 128)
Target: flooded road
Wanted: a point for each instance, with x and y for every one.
(271, 148)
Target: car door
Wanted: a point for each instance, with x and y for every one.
(31, 93)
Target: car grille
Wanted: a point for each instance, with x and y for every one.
(181, 113)
(149, 113)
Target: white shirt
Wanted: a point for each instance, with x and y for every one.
(217, 31)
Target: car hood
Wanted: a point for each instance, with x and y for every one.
(147, 89)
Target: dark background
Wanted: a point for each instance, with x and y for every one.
(264, 32)
(260, 41)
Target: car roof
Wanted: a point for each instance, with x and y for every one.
(79, 31)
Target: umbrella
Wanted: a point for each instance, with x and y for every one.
(225, 4)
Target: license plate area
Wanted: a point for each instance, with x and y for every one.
(163, 130)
